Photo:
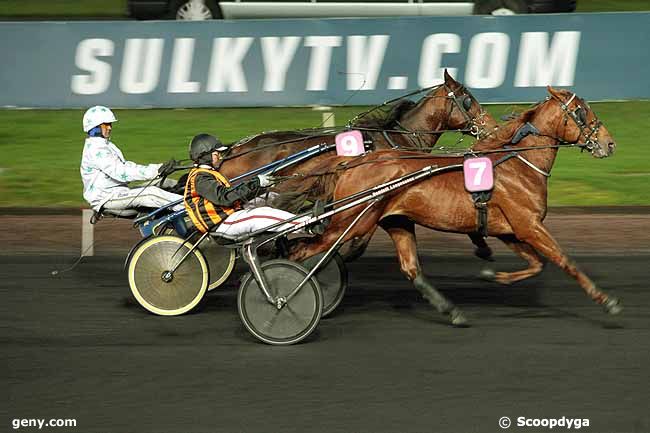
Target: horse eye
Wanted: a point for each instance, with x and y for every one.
(467, 102)
(582, 116)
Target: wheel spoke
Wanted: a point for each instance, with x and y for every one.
(179, 294)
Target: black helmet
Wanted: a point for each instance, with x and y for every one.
(202, 146)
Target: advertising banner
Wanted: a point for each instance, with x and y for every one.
(320, 61)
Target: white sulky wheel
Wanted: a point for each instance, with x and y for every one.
(154, 288)
(221, 260)
(293, 322)
(332, 278)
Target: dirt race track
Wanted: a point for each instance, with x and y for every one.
(77, 346)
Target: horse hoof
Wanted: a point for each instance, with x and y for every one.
(484, 253)
(613, 306)
(457, 318)
(487, 274)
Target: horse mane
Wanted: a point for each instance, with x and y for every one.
(319, 184)
(504, 133)
(268, 137)
(385, 118)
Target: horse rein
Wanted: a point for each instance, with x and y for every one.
(512, 153)
(247, 140)
(227, 155)
(475, 125)
(476, 128)
(588, 131)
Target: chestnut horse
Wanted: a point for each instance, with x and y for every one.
(516, 210)
(449, 106)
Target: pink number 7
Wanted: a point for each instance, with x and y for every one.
(478, 174)
(479, 166)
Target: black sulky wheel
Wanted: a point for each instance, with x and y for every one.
(160, 291)
(296, 319)
(332, 278)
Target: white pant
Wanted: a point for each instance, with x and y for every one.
(249, 220)
(261, 201)
(150, 196)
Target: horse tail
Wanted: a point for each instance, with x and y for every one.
(308, 188)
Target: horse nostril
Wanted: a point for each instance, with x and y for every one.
(611, 146)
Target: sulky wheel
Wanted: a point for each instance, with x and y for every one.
(296, 319)
(221, 260)
(155, 288)
(332, 278)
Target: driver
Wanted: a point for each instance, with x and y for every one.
(105, 172)
(212, 202)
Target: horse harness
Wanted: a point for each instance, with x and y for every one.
(588, 131)
(480, 199)
(475, 125)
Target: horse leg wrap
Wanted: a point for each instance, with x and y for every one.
(484, 253)
(613, 305)
(430, 293)
(442, 304)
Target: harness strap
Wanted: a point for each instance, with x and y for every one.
(565, 105)
(523, 131)
(503, 159)
(481, 199)
(533, 166)
(389, 140)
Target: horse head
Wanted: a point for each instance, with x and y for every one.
(578, 124)
(463, 110)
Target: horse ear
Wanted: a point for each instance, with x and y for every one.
(447, 77)
(552, 91)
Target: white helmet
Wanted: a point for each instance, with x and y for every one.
(95, 116)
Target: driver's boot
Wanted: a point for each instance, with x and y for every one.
(319, 227)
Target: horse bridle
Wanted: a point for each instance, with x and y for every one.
(579, 117)
(475, 124)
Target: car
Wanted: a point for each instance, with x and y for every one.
(237, 9)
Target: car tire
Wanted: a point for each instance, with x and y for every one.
(500, 7)
(551, 6)
(183, 11)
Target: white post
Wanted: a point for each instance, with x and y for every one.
(328, 120)
(87, 234)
